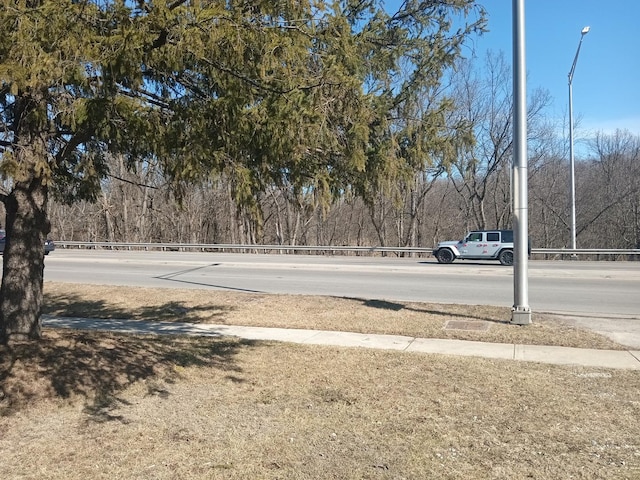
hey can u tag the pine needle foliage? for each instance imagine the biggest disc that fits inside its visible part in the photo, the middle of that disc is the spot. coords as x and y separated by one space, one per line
323 97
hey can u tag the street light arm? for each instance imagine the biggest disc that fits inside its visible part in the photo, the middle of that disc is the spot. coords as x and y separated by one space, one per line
585 30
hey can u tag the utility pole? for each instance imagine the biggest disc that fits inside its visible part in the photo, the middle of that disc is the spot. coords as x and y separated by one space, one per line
572 163
520 313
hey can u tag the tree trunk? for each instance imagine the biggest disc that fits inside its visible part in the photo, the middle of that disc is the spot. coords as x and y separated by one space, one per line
21 293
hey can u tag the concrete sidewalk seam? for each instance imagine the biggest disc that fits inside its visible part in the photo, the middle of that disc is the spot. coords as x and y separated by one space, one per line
409 345
518 352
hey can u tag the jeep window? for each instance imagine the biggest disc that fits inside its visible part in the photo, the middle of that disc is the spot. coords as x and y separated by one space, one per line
493 237
507 236
474 237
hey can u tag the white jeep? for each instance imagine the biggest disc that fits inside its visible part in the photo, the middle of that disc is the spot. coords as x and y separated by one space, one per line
478 245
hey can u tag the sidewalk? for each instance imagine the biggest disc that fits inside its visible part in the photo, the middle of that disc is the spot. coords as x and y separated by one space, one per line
528 353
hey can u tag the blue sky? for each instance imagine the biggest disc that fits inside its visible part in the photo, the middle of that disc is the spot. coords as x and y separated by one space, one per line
606 82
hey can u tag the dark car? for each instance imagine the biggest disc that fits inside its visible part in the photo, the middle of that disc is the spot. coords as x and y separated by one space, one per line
49 246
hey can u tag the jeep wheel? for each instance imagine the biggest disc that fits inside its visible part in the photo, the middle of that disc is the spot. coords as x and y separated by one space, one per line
506 257
445 255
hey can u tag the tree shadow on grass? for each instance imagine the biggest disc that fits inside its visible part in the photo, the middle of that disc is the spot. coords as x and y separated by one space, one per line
97 366
466 312
71 305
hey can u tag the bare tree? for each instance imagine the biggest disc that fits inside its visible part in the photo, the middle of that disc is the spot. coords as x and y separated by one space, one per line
481 174
610 192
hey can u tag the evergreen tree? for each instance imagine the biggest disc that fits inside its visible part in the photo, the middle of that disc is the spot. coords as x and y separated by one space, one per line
267 92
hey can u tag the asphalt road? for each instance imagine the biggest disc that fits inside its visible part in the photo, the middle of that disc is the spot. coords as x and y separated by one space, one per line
604 296
570 286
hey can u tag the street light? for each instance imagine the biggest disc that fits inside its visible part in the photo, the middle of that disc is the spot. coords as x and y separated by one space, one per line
584 31
521 312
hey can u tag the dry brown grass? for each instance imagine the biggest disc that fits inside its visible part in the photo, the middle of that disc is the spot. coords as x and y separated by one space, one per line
97 405
310 312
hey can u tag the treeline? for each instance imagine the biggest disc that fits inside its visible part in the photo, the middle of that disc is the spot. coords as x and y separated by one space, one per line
465 188
139 207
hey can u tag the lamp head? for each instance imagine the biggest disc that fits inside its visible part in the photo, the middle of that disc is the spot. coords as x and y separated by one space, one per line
585 30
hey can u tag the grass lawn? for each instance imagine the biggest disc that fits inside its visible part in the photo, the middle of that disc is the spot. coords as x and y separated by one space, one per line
83 405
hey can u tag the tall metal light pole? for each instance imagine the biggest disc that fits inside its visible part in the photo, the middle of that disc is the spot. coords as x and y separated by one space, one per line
585 30
521 313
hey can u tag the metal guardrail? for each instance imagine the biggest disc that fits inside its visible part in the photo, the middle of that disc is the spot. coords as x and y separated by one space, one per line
308 248
586 251
235 247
